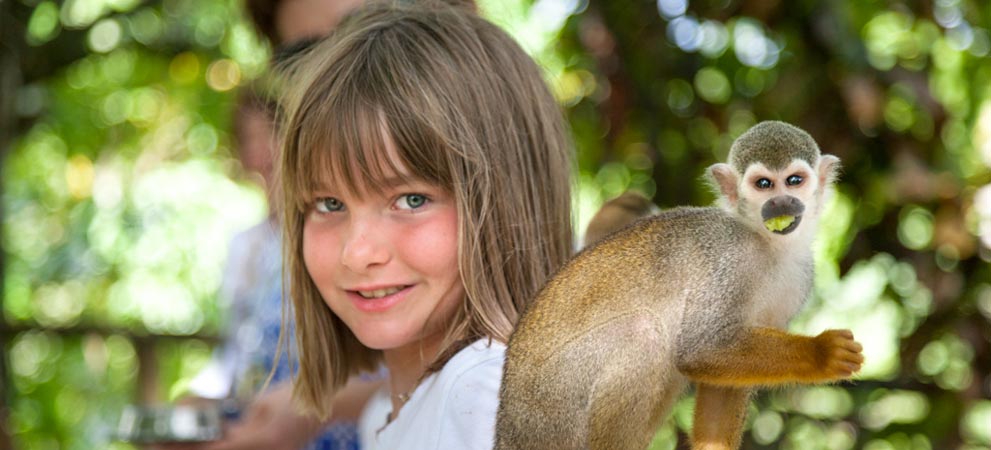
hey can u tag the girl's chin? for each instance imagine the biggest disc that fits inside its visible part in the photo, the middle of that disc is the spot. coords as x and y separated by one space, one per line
392 338
377 340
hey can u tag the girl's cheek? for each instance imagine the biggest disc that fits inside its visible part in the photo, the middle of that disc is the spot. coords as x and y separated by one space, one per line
317 247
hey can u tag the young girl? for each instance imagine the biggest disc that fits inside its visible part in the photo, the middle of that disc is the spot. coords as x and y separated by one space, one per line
425 174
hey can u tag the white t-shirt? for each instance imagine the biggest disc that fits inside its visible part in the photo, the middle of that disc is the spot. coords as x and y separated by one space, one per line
451 409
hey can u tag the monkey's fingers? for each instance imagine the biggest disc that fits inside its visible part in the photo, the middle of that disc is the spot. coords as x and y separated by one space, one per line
839 354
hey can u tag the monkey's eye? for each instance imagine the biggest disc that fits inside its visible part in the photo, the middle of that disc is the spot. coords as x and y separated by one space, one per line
794 180
764 183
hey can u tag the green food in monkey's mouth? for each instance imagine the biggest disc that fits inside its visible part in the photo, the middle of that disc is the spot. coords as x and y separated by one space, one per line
779 224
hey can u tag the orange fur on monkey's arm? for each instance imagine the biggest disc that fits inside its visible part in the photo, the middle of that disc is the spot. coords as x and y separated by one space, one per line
768 356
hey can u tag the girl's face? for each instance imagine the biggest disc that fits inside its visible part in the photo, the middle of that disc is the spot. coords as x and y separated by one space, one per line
386 263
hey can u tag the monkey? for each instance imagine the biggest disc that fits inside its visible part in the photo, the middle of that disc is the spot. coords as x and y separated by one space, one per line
697 295
616 214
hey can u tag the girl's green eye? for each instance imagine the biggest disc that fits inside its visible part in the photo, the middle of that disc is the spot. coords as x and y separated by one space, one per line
411 201
328 204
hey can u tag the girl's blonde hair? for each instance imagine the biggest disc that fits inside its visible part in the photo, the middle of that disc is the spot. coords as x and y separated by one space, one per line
467 110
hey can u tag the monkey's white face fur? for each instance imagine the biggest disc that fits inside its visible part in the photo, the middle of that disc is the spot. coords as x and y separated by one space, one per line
783 204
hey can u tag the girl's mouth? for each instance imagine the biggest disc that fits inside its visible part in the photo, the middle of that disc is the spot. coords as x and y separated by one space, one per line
379 299
379 293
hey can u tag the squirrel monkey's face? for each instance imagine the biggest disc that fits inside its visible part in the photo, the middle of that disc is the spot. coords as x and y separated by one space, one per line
776 200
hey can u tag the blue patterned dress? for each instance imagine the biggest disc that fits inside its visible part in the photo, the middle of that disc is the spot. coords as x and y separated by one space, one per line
252 286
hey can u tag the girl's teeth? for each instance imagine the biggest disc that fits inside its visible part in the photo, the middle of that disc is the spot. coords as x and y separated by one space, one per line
379 293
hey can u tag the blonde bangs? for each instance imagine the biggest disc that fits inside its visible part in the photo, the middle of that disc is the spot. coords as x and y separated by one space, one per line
343 137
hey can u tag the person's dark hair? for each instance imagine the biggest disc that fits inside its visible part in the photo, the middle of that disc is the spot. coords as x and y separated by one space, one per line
263 13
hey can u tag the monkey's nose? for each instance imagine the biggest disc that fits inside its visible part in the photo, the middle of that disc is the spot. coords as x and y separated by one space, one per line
782 205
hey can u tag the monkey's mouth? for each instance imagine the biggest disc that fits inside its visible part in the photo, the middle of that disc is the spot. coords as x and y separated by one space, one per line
782 224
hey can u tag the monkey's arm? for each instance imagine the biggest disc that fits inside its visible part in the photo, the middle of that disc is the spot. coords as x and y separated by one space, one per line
768 356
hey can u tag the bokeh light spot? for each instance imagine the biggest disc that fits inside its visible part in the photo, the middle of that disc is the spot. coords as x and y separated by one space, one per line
120 352
981 134
714 38
915 227
59 304
223 75
209 30
116 107
26 415
202 139
898 114
108 189
146 105
933 358
841 436
976 424
984 301
823 402
28 352
712 85
670 9
81 13
752 46
185 67
960 37
146 26
614 178
767 427
680 95
43 25
684 32
105 36
895 407
79 176
70 407
118 66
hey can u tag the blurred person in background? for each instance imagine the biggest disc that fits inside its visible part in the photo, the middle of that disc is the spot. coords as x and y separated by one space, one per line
252 290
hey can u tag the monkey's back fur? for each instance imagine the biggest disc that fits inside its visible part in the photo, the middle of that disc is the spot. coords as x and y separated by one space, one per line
594 361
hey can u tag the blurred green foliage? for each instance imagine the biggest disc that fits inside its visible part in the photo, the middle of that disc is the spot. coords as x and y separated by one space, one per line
118 197
118 202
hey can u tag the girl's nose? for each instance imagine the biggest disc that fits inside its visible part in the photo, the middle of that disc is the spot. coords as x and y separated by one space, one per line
364 248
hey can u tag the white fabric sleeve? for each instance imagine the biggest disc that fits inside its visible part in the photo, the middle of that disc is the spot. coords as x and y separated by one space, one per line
468 418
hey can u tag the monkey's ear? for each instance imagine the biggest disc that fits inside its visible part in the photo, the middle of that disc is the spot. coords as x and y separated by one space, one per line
829 169
724 180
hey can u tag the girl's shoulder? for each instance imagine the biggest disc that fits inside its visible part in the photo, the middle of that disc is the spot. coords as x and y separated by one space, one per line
452 408
468 396
469 382
474 360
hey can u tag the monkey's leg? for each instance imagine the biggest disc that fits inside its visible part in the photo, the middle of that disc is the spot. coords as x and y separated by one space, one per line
768 356
718 418
636 386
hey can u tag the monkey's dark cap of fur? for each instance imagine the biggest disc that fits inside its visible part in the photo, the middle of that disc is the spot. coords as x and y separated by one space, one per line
775 144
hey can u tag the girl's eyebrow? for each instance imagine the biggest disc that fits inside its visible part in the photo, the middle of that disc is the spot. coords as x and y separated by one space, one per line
396 181
391 182
403 179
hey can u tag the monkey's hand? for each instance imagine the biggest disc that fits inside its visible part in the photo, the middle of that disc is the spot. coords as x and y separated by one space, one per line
838 356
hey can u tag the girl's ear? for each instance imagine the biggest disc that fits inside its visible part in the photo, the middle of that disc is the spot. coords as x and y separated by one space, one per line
724 181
